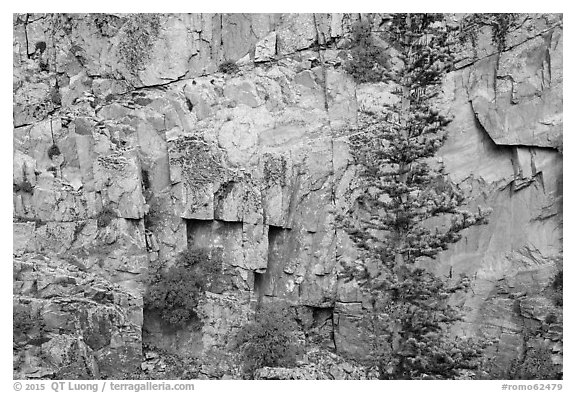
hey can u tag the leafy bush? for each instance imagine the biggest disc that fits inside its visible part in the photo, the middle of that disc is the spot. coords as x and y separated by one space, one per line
152 218
175 293
228 67
53 151
44 66
40 46
270 340
551 318
24 186
369 61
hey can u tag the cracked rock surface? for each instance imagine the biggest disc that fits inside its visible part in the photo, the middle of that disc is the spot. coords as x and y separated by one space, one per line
254 161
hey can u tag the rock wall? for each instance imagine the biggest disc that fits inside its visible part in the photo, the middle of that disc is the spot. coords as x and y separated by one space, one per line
503 149
71 324
229 131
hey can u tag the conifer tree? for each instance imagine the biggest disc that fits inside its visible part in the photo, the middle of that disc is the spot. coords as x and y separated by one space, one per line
403 193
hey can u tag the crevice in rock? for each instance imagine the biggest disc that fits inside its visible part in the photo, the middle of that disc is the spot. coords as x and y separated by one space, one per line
221 30
326 106
548 38
276 261
495 77
521 145
26 35
275 50
161 85
334 341
25 125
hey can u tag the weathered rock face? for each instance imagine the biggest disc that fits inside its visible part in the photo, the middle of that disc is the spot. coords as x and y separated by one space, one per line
72 324
158 151
507 112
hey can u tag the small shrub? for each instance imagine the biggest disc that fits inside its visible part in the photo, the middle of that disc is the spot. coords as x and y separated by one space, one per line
558 299
41 46
140 33
152 218
110 97
551 318
175 293
369 61
44 66
53 151
275 170
24 186
502 24
228 67
558 281
557 286
270 340
105 217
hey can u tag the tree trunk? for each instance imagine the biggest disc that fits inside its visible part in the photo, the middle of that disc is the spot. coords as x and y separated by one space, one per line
404 113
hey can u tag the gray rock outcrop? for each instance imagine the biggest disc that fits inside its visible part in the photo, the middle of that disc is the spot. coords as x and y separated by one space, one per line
159 150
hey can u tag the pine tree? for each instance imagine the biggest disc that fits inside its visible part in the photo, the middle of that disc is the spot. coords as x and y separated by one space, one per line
403 192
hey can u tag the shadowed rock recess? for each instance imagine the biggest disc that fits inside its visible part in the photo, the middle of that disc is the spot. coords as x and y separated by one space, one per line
137 137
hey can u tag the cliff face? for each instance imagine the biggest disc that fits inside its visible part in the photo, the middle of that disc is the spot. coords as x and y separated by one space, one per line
230 132
72 324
